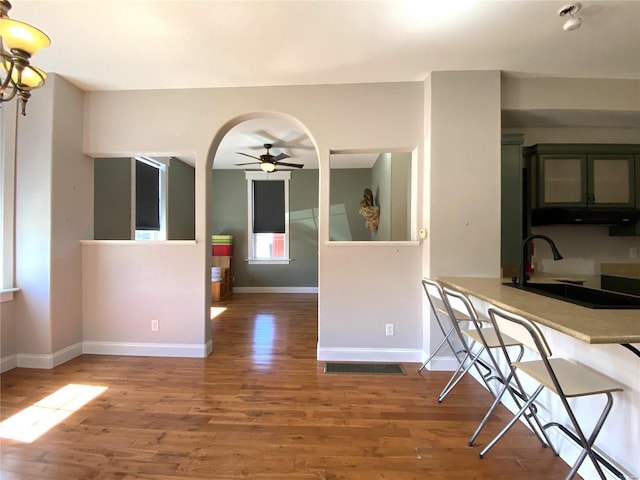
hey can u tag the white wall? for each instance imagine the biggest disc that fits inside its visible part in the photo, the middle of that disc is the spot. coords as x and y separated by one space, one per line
128 284
379 117
33 228
463 154
54 184
71 214
465 174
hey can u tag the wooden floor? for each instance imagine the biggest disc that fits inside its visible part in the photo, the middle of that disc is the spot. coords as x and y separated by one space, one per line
260 407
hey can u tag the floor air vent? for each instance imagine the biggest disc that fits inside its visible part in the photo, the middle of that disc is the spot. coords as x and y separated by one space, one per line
364 368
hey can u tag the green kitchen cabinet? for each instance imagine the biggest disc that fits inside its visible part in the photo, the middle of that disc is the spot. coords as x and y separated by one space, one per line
583 175
512 202
630 230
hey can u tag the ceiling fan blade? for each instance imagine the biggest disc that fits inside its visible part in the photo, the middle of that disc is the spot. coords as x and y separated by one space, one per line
247 155
294 165
281 156
250 163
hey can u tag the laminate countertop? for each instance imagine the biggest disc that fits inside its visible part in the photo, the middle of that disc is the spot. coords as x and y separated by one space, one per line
586 324
624 270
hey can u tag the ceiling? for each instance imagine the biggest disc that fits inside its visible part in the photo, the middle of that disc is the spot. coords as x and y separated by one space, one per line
158 44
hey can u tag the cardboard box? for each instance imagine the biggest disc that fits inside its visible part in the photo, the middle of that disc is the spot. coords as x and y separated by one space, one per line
215 291
221 261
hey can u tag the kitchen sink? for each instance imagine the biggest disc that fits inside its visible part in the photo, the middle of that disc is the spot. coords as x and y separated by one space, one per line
584 296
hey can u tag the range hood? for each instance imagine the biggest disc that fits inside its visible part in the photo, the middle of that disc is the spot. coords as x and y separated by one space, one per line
584 216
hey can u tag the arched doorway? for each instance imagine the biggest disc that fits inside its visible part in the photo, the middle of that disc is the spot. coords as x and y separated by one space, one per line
234 163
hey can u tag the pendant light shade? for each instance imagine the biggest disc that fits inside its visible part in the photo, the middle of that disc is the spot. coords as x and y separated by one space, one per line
18 35
19 41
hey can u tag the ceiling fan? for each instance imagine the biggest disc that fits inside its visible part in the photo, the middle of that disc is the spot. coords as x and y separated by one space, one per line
269 162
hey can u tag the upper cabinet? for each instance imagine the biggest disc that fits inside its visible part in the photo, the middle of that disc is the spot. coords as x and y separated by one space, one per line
583 175
583 184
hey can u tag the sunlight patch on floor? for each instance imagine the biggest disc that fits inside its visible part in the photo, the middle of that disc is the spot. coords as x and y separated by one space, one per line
215 311
32 422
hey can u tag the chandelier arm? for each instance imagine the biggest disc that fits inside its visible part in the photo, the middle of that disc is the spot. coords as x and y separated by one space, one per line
8 85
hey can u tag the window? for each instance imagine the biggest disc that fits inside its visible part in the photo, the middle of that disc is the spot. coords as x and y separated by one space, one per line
8 127
268 217
149 198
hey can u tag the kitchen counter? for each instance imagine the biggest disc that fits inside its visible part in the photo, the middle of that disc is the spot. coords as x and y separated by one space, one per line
623 270
588 325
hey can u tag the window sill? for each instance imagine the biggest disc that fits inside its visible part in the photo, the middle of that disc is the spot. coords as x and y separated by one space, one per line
255 261
6 294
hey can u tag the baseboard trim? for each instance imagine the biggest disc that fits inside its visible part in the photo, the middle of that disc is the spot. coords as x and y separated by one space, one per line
275 289
48 361
148 349
407 355
441 364
7 363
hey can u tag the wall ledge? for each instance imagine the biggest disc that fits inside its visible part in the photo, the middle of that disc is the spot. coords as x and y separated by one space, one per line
372 243
139 242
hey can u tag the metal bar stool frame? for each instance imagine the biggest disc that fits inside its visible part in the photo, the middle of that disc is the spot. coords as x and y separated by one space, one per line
438 314
488 338
546 371
466 357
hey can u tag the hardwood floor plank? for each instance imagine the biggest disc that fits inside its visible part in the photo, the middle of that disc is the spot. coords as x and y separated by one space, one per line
260 407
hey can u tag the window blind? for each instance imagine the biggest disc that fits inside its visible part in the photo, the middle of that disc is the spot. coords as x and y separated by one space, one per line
268 206
147 197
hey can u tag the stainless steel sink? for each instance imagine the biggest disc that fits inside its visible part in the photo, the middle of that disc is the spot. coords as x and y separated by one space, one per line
579 295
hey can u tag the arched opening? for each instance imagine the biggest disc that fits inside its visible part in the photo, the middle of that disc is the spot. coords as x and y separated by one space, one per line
234 171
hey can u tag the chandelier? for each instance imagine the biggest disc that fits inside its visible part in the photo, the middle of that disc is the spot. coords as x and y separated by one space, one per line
19 41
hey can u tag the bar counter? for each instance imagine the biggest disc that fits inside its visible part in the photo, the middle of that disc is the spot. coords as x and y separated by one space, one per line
596 326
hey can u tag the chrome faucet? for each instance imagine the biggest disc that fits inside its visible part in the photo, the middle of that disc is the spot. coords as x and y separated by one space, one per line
556 255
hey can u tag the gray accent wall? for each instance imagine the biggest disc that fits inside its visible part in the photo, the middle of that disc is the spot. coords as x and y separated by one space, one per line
182 201
229 217
391 184
346 192
112 199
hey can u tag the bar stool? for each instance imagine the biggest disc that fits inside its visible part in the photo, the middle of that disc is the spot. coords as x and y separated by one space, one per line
491 342
450 321
562 377
440 311
487 340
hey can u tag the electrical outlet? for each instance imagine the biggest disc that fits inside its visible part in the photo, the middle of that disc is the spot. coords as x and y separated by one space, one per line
633 252
389 330
155 325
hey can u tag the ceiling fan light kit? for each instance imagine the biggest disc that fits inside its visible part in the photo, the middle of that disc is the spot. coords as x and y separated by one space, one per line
268 162
268 166
572 23
19 41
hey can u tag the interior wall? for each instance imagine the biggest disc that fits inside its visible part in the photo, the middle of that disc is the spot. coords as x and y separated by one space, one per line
465 174
381 186
33 221
401 196
347 189
181 201
112 199
229 217
383 117
71 216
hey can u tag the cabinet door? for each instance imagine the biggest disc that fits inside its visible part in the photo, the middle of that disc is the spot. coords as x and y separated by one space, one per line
563 180
612 180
